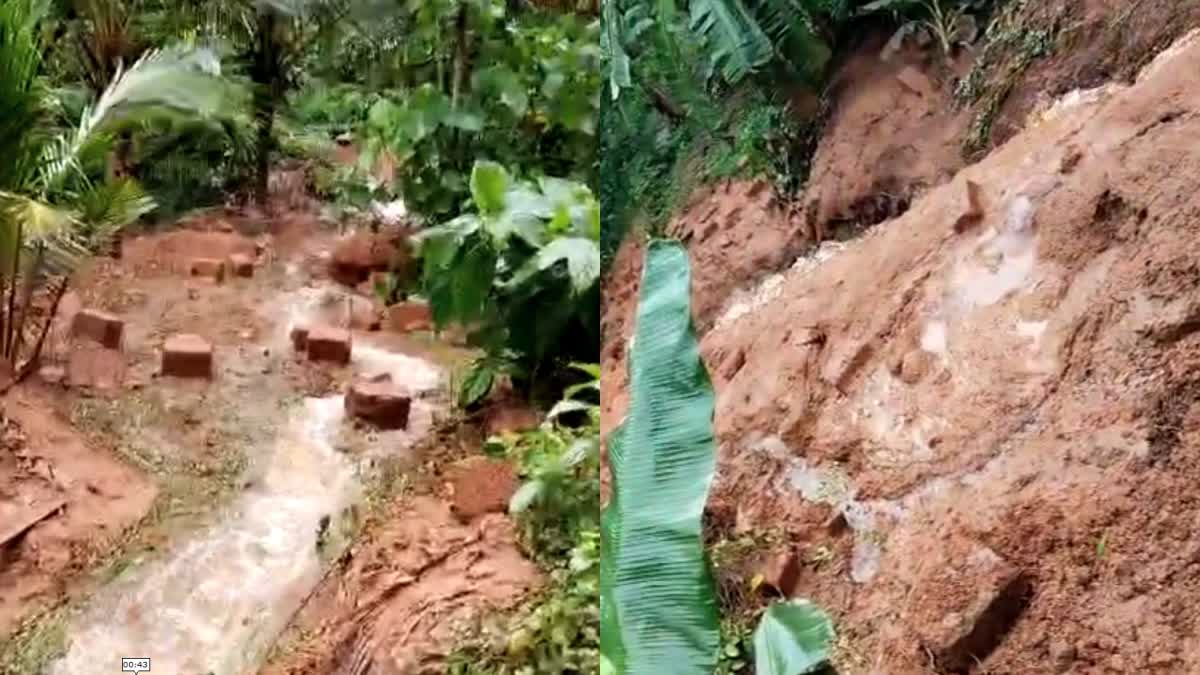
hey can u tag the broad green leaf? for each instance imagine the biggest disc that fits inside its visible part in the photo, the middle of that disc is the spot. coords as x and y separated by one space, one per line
736 43
793 638
576 389
476 385
465 120
582 257
658 611
438 245
617 59
472 277
489 183
525 212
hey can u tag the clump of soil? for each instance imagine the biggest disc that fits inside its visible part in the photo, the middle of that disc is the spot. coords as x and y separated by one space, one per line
44 462
404 592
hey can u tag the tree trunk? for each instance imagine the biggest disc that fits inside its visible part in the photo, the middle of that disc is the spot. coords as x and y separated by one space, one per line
266 78
462 57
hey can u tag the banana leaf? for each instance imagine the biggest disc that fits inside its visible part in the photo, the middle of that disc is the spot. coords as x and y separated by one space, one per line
793 638
658 612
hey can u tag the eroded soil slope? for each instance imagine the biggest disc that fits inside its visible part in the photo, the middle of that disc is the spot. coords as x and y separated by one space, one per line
980 427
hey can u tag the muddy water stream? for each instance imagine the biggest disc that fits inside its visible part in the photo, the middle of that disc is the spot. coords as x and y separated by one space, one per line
216 603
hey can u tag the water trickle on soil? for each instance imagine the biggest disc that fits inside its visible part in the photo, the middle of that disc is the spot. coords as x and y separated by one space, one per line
217 601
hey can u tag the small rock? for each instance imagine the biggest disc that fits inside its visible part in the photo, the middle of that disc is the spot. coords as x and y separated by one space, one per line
508 417
966 205
193 293
409 316
480 485
187 356
299 337
327 343
782 571
209 268
225 226
969 600
380 402
241 265
356 256
1062 655
102 327
364 315
914 366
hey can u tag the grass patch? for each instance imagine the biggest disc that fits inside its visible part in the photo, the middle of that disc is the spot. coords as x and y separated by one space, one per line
38 641
191 489
1016 37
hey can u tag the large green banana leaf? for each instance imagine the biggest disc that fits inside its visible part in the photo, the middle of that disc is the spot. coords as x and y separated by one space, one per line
793 638
658 612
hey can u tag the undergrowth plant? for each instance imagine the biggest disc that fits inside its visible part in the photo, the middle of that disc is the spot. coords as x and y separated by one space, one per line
519 87
557 511
523 270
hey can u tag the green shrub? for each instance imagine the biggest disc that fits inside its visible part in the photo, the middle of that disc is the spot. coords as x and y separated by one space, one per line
524 270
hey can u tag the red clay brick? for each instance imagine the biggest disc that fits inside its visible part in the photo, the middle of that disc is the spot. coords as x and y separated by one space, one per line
209 268
241 265
327 343
187 356
102 327
409 316
380 402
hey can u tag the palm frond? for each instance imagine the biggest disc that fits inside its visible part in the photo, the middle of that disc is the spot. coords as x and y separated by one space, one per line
173 79
20 93
106 208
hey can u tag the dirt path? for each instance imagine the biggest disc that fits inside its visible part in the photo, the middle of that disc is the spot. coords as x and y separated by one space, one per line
216 594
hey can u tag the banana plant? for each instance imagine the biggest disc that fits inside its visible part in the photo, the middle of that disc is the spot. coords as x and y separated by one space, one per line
658 607
53 211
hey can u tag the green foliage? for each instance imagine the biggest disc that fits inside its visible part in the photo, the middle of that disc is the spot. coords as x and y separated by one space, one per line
658 609
948 22
793 638
57 203
744 36
524 269
526 96
557 510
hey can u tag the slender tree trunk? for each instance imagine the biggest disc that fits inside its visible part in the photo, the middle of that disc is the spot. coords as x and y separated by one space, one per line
462 57
12 299
266 80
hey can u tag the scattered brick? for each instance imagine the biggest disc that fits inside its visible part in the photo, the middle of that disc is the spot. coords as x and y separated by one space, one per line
104 328
328 343
187 356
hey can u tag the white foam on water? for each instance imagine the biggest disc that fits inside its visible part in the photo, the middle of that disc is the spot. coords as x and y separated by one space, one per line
413 373
216 604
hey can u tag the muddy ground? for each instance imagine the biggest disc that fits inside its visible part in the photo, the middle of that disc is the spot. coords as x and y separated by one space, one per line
975 424
210 515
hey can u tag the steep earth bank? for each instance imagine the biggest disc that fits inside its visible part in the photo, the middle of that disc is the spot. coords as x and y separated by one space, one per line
978 425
